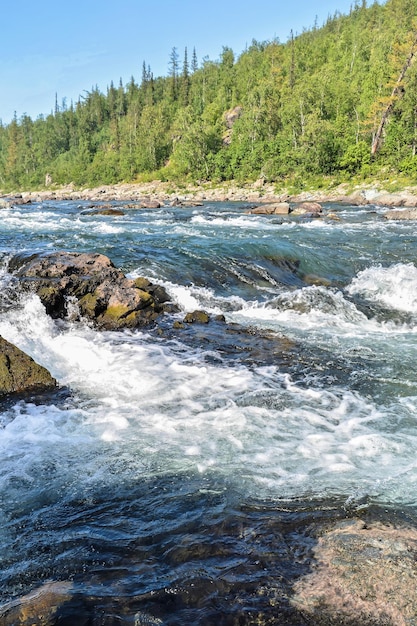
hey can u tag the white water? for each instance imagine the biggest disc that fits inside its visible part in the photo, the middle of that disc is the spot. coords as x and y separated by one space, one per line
164 408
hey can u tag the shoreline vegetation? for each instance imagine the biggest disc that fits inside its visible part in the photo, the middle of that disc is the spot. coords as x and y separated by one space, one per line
259 192
333 106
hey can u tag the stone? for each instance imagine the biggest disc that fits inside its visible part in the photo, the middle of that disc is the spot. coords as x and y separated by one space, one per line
101 291
275 208
197 317
104 211
39 607
148 203
19 373
362 574
403 214
307 207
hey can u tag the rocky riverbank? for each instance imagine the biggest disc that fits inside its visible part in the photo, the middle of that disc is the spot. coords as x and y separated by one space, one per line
155 193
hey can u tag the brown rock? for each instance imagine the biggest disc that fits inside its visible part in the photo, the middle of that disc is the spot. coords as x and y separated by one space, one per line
197 317
363 574
388 199
404 214
307 207
103 292
19 373
275 208
38 608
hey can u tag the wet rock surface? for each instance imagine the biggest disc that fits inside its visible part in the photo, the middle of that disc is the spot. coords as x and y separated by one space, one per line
294 564
19 373
362 573
89 285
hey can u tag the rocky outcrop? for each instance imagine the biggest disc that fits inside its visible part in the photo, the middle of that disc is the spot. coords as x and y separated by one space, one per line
363 574
272 208
403 214
90 285
307 208
19 373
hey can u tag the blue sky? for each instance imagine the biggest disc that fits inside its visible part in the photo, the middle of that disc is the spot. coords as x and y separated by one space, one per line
65 48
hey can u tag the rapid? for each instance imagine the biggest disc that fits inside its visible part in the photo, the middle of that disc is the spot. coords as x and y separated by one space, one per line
157 478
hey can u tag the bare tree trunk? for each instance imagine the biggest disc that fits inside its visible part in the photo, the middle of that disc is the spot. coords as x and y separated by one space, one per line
395 94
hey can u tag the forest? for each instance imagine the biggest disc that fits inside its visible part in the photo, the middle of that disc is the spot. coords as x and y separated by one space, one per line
334 102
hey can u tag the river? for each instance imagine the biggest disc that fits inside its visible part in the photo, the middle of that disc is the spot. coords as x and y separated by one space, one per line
175 475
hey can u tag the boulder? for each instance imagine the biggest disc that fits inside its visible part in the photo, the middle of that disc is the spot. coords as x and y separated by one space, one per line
149 203
274 208
388 199
197 317
364 573
103 210
101 292
313 208
19 373
403 214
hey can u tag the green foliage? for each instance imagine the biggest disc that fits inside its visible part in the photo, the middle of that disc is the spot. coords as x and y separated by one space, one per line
298 112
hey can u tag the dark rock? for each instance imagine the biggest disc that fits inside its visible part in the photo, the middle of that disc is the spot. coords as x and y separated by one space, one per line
104 210
102 292
197 317
19 373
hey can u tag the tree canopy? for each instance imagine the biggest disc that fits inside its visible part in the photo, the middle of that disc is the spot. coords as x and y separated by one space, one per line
339 100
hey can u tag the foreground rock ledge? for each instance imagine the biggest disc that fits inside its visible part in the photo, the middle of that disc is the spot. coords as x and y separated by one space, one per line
363 574
89 285
19 373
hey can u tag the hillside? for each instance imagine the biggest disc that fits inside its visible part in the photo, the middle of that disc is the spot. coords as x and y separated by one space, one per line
333 102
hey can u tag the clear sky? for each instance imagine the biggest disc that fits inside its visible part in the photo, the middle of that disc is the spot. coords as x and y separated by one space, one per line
51 47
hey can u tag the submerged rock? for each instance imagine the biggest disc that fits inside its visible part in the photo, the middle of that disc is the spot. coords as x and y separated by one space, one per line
38 608
19 373
91 282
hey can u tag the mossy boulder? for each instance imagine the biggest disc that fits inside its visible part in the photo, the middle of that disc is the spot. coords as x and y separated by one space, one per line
19 373
197 317
90 280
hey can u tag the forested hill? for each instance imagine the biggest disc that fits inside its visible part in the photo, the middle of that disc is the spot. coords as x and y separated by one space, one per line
333 101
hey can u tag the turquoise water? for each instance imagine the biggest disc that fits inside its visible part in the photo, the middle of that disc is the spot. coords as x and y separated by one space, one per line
159 478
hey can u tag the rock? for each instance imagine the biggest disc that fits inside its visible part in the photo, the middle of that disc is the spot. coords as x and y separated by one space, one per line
275 208
363 574
148 203
38 608
197 317
231 116
307 207
103 211
19 373
404 214
388 199
102 293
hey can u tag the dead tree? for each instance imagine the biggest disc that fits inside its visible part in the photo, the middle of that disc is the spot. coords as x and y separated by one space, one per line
396 94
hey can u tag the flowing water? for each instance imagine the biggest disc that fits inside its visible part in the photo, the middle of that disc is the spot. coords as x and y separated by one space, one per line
174 476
